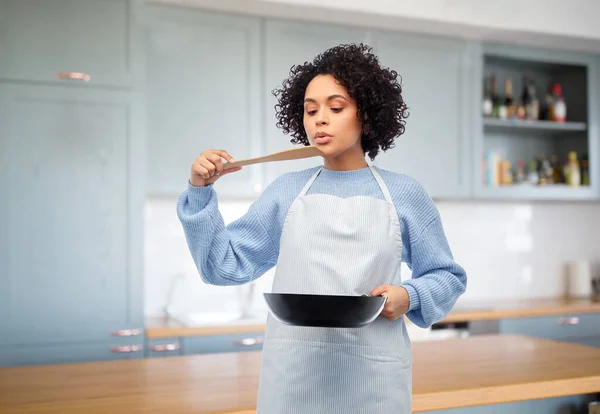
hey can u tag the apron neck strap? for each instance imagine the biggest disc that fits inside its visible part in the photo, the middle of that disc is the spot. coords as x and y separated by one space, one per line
380 182
309 183
382 186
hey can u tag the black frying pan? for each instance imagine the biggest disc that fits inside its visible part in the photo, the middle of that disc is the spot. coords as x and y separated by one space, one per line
325 311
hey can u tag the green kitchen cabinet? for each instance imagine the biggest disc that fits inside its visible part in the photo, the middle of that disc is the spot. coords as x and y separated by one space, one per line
52 41
437 79
242 342
576 328
573 404
71 245
204 91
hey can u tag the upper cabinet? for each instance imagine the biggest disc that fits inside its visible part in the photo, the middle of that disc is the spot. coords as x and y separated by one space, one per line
286 44
210 77
536 134
435 75
70 41
204 91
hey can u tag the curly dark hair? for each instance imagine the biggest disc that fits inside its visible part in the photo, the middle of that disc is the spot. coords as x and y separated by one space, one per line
378 95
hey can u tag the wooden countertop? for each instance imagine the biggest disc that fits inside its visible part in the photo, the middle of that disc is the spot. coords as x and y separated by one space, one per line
471 311
446 374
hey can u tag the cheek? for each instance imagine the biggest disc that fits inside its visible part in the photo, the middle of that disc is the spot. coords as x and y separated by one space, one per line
353 124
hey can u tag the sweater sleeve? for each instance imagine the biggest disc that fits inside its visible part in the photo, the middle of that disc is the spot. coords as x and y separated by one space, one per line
437 280
228 255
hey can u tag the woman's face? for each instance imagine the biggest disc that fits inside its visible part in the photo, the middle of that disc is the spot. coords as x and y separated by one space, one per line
331 122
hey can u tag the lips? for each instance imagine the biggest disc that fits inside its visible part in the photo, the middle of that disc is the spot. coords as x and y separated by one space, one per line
322 138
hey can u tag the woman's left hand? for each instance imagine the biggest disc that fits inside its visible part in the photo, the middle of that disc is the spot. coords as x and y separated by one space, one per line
397 303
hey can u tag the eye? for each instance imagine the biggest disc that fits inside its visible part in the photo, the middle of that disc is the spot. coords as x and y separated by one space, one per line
336 110
311 112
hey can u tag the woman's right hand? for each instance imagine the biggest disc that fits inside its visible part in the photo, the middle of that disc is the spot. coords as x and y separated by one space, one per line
208 167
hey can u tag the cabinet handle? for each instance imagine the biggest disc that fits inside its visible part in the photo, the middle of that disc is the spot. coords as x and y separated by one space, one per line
568 321
163 348
126 332
248 341
74 76
126 348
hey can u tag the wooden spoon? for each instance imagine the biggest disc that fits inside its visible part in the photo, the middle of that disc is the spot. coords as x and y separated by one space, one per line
291 154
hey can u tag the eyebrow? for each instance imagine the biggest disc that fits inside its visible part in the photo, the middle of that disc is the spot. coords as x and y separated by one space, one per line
329 98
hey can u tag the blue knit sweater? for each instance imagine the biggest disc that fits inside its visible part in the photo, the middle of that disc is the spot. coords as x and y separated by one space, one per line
248 247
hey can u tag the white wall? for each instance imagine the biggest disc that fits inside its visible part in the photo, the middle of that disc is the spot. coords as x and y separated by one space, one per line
510 250
577 18
548 23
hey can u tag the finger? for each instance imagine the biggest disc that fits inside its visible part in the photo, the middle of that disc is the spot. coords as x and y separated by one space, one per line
379 291
217 160
201 171
225 155
230 170
208 165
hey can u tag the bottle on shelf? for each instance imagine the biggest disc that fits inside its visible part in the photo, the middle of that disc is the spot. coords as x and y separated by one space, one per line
533 177
557 108
520 172
509 110
496 102
506 176
585 171
488 105
544 171
557 172
572 170
530 100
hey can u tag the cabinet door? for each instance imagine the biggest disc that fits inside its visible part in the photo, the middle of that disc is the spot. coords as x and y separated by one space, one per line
40 39
435 86
71 220
203 73
288 44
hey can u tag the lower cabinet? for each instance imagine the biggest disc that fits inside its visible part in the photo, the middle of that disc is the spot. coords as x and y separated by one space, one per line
222 343
581 329
572 404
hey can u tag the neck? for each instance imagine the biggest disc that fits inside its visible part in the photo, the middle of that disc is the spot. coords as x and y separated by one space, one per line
350 160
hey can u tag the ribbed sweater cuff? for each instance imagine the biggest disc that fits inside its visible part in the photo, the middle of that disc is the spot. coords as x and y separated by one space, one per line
198 197
415 302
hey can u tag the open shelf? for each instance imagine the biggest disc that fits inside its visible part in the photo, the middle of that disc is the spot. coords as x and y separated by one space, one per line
530 138
543 125
533 193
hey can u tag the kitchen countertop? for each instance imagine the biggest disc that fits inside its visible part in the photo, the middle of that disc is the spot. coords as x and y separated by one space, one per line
446 374
468 311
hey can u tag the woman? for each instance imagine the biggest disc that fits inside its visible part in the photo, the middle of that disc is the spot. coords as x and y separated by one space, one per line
342 228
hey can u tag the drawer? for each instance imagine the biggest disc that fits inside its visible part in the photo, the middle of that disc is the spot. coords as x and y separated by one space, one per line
222 343
163 347
554 327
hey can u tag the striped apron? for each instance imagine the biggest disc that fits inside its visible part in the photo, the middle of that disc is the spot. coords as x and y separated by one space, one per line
337 246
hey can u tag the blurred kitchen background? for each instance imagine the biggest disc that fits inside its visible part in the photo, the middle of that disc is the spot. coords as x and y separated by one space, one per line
104 105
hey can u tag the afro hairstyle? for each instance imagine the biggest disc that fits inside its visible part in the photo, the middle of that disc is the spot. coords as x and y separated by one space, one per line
375 89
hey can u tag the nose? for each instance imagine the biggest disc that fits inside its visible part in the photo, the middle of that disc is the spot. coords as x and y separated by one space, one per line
322 118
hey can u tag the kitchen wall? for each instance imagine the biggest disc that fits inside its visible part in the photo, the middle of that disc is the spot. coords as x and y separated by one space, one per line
553 24
510 250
